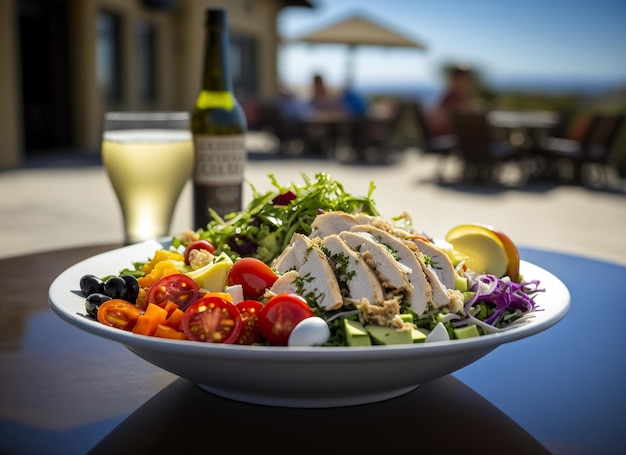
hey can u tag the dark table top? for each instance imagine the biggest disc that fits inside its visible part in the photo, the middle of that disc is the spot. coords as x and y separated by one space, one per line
66 391
523 119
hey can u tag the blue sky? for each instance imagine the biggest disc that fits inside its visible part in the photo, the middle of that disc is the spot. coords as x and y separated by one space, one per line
536 39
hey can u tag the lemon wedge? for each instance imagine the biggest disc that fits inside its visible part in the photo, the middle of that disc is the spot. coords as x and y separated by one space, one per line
213 277
482 248
512 253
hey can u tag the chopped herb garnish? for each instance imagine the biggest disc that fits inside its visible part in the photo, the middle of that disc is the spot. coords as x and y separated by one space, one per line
264 228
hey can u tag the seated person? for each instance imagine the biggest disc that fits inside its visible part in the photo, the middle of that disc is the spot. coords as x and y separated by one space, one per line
290 106
321 99
353 103
459 96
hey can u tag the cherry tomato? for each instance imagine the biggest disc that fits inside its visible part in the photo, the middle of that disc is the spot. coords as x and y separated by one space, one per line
118 313
280 315
212 319
198 245
253 275
249 310
177 288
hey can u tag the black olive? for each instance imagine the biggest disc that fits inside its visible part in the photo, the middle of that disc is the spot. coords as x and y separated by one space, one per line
132 288
90 284
93 302
115 287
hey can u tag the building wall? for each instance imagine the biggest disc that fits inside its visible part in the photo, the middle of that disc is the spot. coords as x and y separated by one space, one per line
179 49
86 100
10 112
247 17
89 101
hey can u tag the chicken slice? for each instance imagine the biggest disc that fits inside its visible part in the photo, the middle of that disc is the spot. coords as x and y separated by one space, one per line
351 269
286 283
441 295
318 281
422 292
391 273
292 257
329 223
441 263
364 218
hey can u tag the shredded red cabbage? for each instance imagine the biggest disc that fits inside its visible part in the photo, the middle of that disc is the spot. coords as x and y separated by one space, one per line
504 294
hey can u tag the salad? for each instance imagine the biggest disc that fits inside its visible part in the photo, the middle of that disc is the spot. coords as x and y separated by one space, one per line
312 265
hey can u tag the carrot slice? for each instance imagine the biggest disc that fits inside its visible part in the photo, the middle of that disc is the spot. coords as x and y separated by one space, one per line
163 331
148 322
174 319
170 307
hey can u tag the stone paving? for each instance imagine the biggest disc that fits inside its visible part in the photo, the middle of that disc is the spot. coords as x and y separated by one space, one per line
44 206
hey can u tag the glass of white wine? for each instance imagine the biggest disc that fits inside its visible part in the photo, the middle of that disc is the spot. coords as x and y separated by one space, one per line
149 157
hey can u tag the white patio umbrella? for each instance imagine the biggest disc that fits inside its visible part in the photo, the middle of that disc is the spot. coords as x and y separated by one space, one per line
357 31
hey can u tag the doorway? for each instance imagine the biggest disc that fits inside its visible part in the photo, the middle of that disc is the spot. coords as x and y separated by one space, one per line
45 75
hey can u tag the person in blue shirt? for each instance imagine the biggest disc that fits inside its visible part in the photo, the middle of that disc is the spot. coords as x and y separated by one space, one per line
290 106
353 102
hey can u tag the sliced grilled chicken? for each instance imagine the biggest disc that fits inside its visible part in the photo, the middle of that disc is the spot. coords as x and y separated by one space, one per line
391 273
440 262
441 296
350 268
293 256
422 292
329 223
363 218
285 283
318 280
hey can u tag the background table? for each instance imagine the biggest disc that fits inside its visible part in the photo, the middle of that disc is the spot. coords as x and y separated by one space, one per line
524 128
66 391
523 119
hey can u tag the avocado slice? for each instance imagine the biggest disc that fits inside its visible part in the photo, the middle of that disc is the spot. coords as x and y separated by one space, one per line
460 283
356 335
419 335
466 332
388 335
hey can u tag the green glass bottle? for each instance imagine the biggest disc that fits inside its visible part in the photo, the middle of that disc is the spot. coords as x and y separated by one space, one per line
218 125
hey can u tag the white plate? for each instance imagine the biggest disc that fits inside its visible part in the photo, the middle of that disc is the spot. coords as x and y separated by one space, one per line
299 376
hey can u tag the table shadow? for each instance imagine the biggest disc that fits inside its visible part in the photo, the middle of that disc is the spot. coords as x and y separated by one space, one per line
442 416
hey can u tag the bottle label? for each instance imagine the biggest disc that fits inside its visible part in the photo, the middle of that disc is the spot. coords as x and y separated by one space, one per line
220 160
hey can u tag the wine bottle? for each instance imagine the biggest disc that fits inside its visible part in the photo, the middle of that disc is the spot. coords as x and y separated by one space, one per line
218 125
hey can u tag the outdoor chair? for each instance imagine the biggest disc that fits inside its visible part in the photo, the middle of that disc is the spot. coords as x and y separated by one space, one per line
291 133
373 138
592 149
567 120
482 156
439 145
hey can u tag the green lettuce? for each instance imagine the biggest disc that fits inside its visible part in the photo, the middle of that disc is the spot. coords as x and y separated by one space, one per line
265 227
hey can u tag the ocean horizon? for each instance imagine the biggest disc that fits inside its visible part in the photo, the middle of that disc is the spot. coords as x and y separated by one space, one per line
429 93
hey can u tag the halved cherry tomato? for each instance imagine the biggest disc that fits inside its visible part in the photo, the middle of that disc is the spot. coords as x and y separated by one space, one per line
280 315
198 245
177 288
118 313
253 275
212 319
249 310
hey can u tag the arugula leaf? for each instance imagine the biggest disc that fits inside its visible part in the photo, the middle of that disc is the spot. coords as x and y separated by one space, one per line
264 228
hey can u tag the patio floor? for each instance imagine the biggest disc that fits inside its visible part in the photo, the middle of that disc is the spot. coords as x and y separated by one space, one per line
63 201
